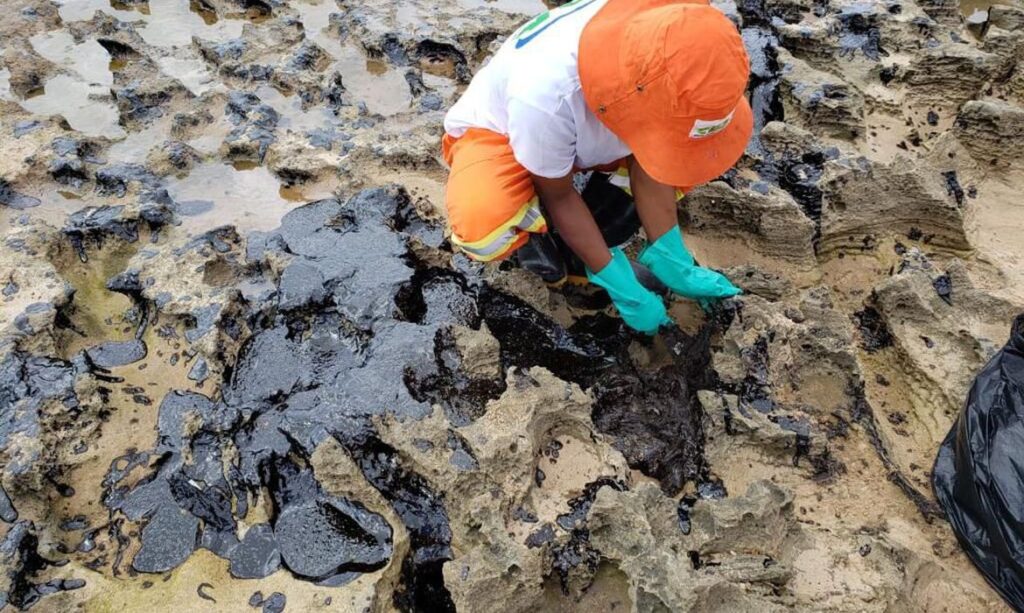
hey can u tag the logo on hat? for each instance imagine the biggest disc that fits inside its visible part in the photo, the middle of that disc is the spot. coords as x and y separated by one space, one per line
702 128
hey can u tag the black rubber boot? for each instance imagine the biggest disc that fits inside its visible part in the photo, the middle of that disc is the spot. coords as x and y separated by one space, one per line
542 256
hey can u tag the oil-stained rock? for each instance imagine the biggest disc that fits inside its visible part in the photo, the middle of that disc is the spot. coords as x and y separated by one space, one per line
530 338
407 430
19 562
39 393
167 539
116 353
97 223
194 283
117 179
769 358
424 28
320 536
8 514
16 200
173 156
319 375
505 442
654 419
331 239
255 123
34 291
791 439
819 101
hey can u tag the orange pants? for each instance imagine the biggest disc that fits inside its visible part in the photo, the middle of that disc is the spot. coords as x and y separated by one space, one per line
492 206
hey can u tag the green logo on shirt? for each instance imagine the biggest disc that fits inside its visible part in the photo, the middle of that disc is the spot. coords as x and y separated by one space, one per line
545 20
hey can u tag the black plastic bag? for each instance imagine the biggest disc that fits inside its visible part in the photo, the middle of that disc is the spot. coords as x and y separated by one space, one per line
979 473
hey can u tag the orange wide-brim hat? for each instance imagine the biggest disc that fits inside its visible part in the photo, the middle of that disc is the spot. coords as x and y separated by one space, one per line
668 78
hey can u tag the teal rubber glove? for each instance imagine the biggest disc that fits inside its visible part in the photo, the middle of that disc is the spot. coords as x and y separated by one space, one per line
639 307
672 263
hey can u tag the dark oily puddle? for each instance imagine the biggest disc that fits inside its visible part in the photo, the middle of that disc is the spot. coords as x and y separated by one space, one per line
355 327
327 352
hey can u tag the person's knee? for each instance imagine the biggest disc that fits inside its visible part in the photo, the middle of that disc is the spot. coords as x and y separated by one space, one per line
490 198
488 233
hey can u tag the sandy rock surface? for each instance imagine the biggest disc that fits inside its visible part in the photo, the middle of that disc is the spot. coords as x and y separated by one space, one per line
241 367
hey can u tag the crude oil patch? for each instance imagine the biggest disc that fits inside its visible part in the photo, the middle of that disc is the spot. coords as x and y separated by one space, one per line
184 468
654 417
94 401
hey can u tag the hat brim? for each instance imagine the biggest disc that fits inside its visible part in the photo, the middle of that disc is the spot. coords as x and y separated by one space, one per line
670 156
660 142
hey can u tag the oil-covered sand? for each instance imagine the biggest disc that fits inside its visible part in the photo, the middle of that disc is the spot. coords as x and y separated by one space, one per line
241 367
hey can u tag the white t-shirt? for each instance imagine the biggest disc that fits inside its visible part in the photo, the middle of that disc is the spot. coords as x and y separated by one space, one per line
530 91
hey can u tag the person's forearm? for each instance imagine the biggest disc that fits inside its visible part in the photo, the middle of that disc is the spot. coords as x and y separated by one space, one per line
571 217
655 202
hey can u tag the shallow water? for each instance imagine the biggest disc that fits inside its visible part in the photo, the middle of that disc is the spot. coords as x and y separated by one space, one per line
83 10
167 23
293 116
192 72
372 81
135 146
88 59
315 15
968 7
82 95
250 198
5 85
87 108
383 89
172 23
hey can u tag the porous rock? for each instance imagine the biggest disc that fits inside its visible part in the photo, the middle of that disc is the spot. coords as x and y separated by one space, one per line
939 342
772 224
505 442
823 103
950 74
992 131
864 198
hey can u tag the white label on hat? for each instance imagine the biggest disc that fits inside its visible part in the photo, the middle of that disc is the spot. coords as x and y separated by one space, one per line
703 128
